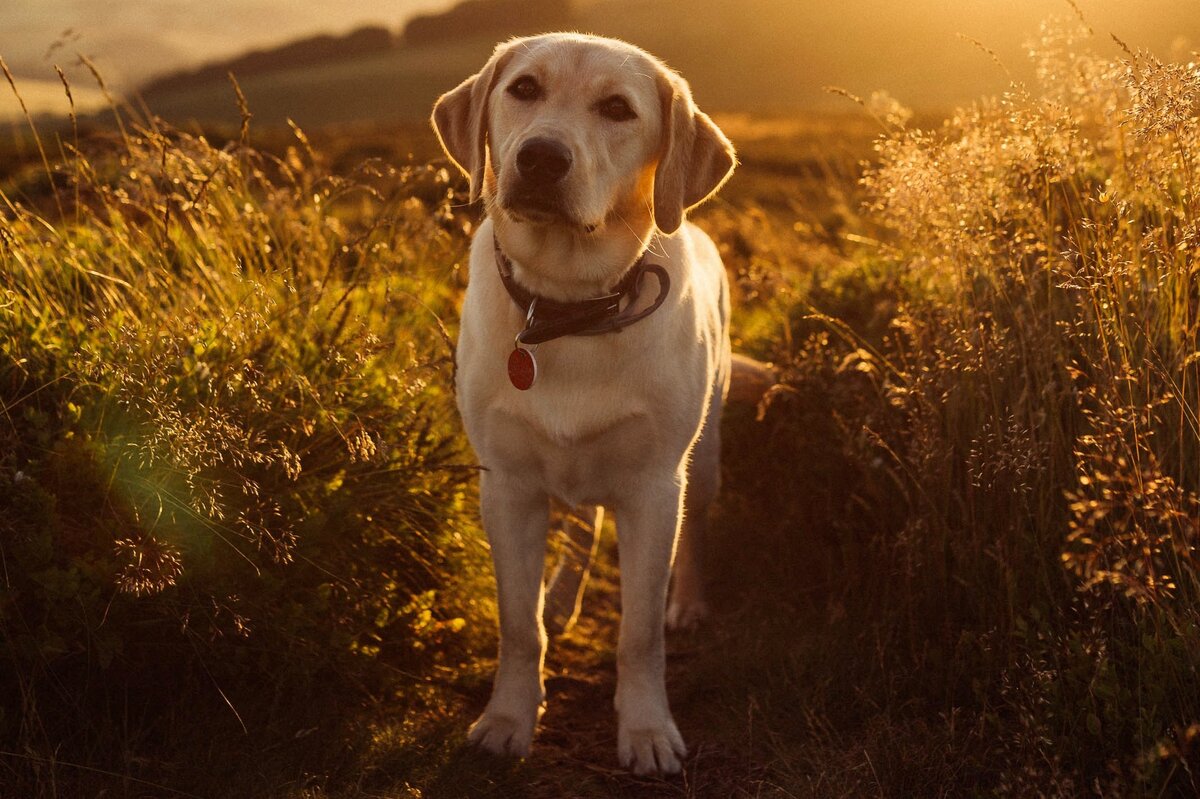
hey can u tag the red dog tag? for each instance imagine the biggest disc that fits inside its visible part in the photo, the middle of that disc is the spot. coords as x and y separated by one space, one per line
522 368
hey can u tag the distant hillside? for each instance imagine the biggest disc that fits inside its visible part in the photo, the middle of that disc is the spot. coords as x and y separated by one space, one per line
755 56
499 19
495 19
306 52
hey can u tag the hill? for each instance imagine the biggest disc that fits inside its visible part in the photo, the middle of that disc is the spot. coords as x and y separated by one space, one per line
760 56
301 53
367 75
496 18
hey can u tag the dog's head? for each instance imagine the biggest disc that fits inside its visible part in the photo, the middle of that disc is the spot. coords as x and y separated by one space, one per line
582 132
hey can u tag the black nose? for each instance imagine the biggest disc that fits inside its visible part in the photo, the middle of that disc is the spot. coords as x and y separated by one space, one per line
543 161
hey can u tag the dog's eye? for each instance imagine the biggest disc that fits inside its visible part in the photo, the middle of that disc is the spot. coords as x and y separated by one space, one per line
616 108
525 88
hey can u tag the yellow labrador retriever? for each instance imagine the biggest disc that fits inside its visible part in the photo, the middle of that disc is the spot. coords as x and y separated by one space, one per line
594 355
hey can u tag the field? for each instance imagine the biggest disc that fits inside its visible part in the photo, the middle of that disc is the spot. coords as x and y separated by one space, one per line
955 552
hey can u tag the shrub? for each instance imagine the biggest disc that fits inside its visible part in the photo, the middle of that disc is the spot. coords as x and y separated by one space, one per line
1013 507
229 469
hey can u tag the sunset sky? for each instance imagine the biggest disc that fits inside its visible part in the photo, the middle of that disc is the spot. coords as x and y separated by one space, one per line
909 47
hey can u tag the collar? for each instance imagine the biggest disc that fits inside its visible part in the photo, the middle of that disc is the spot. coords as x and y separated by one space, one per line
547 319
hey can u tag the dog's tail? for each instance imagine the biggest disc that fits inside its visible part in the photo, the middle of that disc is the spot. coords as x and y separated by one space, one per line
749 380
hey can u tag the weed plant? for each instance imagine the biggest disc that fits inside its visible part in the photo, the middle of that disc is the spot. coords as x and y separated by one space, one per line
987 448
232 491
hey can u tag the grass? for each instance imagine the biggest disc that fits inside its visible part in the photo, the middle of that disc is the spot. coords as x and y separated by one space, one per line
230 467
955 551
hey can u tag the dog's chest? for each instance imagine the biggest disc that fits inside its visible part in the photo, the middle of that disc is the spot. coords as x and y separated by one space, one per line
589 468
595 391
599 412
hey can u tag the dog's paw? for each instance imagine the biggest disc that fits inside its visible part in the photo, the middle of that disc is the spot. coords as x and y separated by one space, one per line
686 614
651 751
502 735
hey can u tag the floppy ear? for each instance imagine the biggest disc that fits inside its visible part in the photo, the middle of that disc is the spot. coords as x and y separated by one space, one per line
696 157
460 119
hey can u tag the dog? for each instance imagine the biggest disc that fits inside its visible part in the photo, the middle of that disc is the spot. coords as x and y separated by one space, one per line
593 355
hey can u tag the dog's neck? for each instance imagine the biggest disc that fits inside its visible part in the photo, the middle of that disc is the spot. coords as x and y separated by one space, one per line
565 264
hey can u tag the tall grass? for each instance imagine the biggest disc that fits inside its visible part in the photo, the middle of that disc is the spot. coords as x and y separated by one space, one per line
231 488
990 408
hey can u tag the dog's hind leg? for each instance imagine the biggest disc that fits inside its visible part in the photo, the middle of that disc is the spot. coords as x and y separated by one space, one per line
687 606
578 531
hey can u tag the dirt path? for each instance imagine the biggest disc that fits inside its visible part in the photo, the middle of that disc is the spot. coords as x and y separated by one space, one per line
575 749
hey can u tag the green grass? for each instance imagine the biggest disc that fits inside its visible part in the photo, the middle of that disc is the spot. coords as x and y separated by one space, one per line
954 553
231 470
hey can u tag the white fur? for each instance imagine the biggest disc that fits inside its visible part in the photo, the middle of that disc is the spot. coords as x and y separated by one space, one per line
627 420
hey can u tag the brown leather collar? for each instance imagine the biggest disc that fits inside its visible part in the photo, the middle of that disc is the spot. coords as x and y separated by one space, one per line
548 319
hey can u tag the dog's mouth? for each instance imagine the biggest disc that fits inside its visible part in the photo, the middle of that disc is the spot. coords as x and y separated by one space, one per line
542 207
537 206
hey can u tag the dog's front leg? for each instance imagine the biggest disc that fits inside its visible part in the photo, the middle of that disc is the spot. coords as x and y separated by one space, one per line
647 525
515 517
